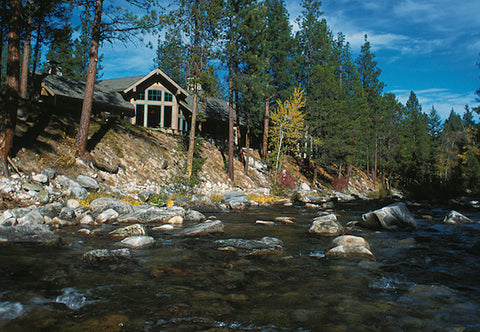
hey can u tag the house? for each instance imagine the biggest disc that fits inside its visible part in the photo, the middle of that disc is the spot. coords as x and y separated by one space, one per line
67 94
157 100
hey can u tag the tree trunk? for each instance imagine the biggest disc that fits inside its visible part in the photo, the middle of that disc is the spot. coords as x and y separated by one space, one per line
26 58
231 173
376 160
266 123
82 136
193 124
9 117
247 149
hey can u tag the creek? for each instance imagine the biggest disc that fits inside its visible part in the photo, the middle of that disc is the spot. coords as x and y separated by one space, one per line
427 279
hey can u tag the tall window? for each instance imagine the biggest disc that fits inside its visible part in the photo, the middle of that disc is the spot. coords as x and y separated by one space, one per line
167 116
155 95
140 115
168 96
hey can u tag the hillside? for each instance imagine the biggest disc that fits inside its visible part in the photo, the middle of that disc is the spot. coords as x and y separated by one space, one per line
148 159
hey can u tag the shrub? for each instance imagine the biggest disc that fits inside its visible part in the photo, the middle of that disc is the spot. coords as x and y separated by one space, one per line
282 183
339 183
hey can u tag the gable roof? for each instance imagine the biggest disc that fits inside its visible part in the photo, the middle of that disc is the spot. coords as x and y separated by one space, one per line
168 82
57 85
119 84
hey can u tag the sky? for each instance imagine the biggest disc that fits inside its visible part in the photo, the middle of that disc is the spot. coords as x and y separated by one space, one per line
430 47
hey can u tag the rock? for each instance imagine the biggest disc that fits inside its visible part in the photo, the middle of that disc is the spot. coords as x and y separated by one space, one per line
285 220
344 197
349 240
43 196
177 220
85 231
40 178
166 227
101 204
67 213
131 230
349 246
264 222
194 216
236 200
66 182
32 186
138 241
391 217
87 220
79 192
455 218
97 257
27 233
87 182
314 199
265 246
34 217
72 204
51 210
106 216
49 173
304 187
203 206
326 226
205 228
152 214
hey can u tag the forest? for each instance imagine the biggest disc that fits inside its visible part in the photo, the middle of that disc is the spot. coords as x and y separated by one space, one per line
301 91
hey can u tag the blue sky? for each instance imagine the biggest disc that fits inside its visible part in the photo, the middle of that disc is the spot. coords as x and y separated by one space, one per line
430 47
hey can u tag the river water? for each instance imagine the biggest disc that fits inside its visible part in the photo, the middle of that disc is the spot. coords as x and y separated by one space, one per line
427 280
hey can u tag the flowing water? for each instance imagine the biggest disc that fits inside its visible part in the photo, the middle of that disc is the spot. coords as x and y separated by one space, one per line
427 280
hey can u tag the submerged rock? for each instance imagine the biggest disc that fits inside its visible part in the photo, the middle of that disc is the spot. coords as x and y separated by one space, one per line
28 233
455 218
349 246
326 226
98 257
265 246
206 228
391 217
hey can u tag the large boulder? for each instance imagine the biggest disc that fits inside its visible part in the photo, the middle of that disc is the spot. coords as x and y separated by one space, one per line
236 200
28 233
326 226
98 257
392 217
205 228
349 246
87 182
264 246
104 203
455 218
152 214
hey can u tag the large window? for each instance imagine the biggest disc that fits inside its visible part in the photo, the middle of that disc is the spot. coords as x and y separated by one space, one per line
140 115
167 116
155 95
168 96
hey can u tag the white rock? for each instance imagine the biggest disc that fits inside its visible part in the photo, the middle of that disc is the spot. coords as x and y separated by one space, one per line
177 220
73 204
138 241
87 220
41 178
107 215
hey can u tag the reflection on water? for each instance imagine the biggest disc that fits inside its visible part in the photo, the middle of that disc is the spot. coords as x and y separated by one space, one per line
422 280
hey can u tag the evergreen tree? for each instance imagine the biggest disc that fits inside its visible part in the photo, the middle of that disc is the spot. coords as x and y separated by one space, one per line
171 56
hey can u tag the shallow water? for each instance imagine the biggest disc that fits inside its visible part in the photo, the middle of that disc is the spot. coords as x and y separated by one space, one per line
427 279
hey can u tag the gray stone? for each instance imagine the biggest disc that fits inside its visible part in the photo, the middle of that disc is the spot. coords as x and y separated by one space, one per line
455 218
138 241
66 182
87 220
194 216
34 217
51 210
326 226
265 246
206 228
32 186
349 240
67 213
50 173
344 197
40 178
28 233
79 192
152 214
236 200
98 257
87 182
349 246
131 230
43 196
106 216
391 217
104 203
72 204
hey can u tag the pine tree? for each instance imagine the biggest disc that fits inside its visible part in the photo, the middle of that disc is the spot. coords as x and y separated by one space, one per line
171 56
